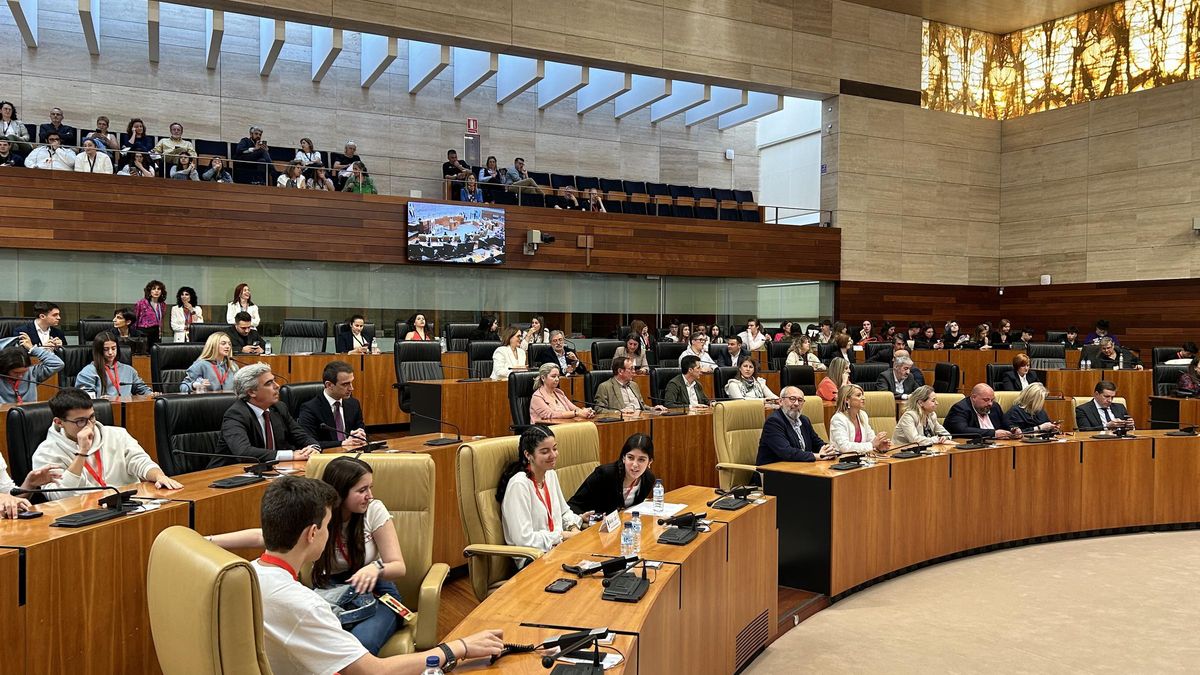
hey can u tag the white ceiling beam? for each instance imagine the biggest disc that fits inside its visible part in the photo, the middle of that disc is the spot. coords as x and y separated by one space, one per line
645 90
602 87
89 17
562 80
153 29
425 62
326 47
214 30
684 96
471 69
25 13
378 52
760 104
723 100
271 35
515 75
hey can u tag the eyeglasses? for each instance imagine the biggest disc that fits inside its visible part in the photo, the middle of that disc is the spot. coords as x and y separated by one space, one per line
82 422
793 399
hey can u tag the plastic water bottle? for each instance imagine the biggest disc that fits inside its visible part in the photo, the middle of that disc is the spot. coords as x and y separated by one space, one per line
267 348
637 534
431 666
659 491
1121 361
627 540
1085 365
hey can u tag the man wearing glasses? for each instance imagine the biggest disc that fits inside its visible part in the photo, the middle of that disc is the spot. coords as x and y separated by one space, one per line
789 436
89 453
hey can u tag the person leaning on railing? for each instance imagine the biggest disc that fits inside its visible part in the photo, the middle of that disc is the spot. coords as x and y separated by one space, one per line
359 181
217 173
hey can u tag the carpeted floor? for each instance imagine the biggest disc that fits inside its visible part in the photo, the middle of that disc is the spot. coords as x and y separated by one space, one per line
1128 604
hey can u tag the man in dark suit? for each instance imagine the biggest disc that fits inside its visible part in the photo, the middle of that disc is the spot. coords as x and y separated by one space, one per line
979 415
1112 356
68 135
1102 413
733 355
335 418
243 337
684 390
915 372
43 331
898 379
568 363
258 425
788 436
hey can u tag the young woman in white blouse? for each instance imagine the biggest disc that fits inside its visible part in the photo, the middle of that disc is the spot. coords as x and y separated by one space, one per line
537 333
532 507
186 311
242 302
748 384
509 356
801 354
753 337
919 423
849 429
307 155
92 160
292 177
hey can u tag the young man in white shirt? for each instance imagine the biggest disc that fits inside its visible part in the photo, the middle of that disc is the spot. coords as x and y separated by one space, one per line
302 634
697 349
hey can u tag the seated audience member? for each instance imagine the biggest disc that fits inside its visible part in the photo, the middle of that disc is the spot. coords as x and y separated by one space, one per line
837 377
1101 331
171 147
92 159
1020 376
567 199
702 330
684 390
697 351
342 161
898 379
245 339
850 428
914 332
1002 337
685 333
44 330
594 203
1189 381
915 372
19 378
489 173
136 139
242 302
353 340
733 354
926 339
187 310
886 355
184 167
89 453
213 370
566 360
748 384
1072 341
620 485
216 172
307 155
1113 356
981 339
292 177
978 415
549 402
788 436
919 423
455 170
486 330
9 156
137 164
672 332
1184 356
844 348
865 334
754 337
320 180
258 425
470 191
1028 412
300 631
888 332
635 352
509 356
123 325
151 311
825 334
359 181
68 134
953 338
533 511
106 376
105 140
641 331
420 329
620 393
335 418
1024 338
1102 413
11 505
517 178
252 158
12 128
51 156
714 333
801 354
784 334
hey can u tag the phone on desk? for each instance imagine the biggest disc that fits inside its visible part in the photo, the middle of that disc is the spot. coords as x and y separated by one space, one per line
561 585
29 515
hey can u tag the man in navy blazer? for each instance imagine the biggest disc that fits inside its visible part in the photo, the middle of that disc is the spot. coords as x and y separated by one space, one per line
320 410
43 331
973 415
788 436
1102 413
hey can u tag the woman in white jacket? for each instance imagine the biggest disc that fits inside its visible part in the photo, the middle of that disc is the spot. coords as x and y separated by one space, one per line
92 160
748 384
849 429
919 423
532 506
509 356
186 311
536 335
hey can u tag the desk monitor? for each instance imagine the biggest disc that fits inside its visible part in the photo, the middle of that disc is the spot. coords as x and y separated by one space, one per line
455 233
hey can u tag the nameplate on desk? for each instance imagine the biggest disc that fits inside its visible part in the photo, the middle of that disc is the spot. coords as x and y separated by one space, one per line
612 522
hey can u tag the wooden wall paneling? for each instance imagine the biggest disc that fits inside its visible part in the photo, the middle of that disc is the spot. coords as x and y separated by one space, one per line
1048 490
1176 475
860 510
1118 483
920 510
13 662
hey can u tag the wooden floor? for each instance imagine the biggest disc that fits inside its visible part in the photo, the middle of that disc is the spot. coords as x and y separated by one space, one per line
457 601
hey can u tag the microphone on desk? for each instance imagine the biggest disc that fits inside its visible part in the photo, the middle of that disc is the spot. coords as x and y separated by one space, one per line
440 441
469 378
113 505
589 638
368 447
671 411
257 467
278 376
686 519
1056 395
972 441
113 501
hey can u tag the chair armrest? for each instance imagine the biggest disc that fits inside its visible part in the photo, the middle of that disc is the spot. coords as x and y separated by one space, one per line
730 466
429 600
527 552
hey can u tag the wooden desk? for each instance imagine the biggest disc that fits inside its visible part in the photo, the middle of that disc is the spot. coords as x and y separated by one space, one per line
1135 386
614 434
476 408
685 451
531 663
13 612
136 414
1168 412
374 387
89 583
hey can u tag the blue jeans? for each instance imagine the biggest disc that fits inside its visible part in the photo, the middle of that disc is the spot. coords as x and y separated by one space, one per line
375 631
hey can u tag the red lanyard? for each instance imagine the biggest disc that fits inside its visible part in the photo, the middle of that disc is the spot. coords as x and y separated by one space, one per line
114 377
98 472
268 559
545 500
15 384
217 373
341 546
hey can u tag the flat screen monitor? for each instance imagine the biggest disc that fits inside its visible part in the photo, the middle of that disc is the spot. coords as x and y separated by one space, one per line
455 233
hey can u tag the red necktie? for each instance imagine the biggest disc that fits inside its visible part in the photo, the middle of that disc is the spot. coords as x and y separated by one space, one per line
270 434
338 422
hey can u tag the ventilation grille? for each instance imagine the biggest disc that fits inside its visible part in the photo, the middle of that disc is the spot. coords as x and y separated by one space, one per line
752 638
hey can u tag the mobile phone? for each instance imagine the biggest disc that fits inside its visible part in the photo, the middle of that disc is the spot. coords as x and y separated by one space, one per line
29 515
561 585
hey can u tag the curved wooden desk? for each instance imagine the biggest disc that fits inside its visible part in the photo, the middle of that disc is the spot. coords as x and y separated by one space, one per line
866 524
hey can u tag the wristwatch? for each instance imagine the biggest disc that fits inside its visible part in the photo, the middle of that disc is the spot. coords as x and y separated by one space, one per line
449 661
379 563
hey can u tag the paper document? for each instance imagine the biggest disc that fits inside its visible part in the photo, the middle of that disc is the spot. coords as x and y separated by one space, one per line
646 508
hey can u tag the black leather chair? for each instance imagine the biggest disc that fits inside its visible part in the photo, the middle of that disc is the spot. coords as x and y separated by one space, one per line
1089 353
303 336
669 352
10 324
479 357
865 374
1166 378
90 328
169 362
189 423
1160 354
415 361
536 353
520 391
879 352
777 354
591 382
28 426
1056 335
996 371
799 376
721 375
457 336
402 329
342 326
296 394
945 378
199 332
659 377
74 358
1045 350
602 353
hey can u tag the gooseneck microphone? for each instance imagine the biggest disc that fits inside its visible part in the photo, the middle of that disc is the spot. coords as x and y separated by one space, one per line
440 441
370 446
257 466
